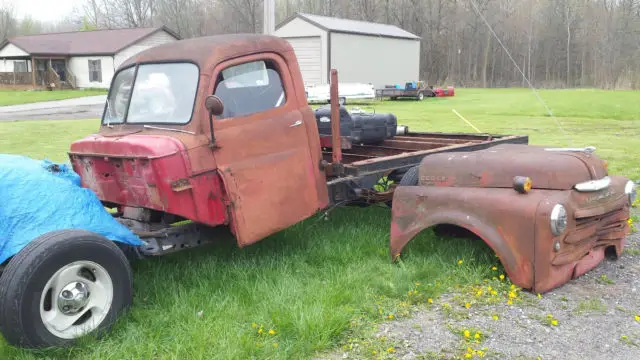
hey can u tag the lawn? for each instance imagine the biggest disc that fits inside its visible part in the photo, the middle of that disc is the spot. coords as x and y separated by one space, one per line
321 284
16 97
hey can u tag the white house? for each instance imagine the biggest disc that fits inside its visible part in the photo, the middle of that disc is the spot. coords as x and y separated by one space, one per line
362 52
81 59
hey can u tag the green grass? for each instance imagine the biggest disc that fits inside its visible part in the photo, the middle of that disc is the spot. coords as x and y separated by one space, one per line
16 97
321 284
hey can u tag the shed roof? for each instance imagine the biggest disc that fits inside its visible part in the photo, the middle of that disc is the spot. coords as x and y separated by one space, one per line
97 42
347 26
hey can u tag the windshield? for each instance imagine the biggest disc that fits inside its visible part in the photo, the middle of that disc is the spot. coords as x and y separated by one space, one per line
161 93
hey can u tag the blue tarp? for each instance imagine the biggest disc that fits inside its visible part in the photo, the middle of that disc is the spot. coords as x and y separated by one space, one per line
37 197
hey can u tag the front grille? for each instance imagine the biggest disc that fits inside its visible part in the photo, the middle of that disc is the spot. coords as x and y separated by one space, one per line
592 232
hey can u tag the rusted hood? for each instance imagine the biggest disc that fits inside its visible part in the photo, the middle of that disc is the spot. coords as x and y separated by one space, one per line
127 146
496 167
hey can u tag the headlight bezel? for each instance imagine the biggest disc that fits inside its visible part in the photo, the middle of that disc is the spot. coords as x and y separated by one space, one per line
630 189
558 220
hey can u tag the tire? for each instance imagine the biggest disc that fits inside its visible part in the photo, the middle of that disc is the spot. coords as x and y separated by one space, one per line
420 96
410 178
97 276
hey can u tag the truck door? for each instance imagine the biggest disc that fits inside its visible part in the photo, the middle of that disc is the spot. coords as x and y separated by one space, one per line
263 150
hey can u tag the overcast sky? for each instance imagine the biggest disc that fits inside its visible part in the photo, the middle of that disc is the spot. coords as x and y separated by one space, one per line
45 10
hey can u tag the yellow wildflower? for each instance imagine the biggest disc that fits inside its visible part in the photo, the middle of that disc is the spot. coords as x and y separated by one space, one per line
509 302
554 322
275 345
417 284
495 268
467 305
501 276
493 292
430 300
512 295
391 350
390 317
476 336
480 353
272 332
489 288
260 331
624 337
254 325
467 333
460 262
539 296
549 316
637 317
495 317
513 287
468 356
479 293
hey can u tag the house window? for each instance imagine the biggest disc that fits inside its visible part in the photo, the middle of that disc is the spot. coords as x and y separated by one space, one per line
20 66
95 70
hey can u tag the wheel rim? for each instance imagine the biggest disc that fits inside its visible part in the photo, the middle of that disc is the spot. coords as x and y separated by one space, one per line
421 96
76 299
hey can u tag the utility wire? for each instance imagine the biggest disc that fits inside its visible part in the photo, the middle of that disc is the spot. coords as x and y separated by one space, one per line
535 92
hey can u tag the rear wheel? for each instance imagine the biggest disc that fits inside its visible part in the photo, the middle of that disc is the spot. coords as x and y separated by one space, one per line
61 286
420 96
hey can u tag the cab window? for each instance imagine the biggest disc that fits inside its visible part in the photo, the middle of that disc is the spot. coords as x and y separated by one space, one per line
249 88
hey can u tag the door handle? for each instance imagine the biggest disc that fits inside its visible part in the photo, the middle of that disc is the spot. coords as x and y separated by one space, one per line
297 123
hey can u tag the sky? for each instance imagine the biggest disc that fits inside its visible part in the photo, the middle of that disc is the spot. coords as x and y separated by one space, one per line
44 10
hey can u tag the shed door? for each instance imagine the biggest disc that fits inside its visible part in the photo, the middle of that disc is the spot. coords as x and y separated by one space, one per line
309 53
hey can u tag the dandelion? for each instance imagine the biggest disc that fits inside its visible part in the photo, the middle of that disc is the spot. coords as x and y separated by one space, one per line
430 300
494 268
272 332
539 296
476 336
495 317
512 295
254 325
480 353
554 322
467 305
637 317
489 288
549 316
493 292
467 333
390 317
479 293
260 331
391 350
460 262
509 302
501 276
468 356
513 287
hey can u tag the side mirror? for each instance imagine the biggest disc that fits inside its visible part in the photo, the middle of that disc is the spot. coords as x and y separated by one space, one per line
214 105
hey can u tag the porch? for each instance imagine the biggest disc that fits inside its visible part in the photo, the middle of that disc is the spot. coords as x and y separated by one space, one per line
50 72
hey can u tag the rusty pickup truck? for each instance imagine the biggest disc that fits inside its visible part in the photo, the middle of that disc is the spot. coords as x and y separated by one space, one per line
216 133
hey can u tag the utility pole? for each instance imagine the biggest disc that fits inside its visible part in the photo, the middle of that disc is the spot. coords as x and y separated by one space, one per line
269 22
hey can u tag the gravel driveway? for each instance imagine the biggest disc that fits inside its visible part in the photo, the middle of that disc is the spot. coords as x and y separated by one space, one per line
596 316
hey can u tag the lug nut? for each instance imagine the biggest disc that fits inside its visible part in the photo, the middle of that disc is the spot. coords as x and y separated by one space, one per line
66 294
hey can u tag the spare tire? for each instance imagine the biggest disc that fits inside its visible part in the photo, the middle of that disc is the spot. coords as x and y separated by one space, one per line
410 178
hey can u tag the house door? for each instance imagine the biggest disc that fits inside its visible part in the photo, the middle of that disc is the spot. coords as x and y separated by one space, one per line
263 149
60 67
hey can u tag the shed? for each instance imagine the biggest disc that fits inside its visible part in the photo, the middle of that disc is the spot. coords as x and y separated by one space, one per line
362 52
78 59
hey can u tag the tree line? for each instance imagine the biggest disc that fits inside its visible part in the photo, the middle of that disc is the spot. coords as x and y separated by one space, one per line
480 43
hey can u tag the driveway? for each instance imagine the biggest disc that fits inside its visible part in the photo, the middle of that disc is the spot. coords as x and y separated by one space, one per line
89 107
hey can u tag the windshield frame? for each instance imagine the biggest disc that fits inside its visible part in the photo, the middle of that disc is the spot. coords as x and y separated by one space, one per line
133 85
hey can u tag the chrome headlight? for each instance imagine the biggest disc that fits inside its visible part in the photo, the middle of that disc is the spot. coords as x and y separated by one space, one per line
630 190
558 220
